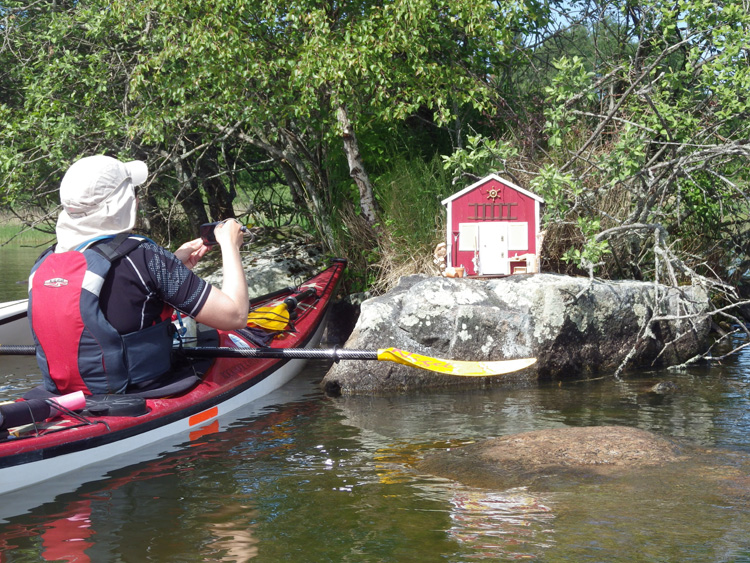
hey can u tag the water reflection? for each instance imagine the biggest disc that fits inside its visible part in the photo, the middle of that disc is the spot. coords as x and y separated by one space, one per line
497 525
660 509
233 542
148 510
63 536
316 479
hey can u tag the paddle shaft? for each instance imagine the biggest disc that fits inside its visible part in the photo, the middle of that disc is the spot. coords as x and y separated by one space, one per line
448 367
16 350
335 354
219 352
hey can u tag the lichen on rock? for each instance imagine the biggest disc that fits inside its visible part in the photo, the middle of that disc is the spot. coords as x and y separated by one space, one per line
574 327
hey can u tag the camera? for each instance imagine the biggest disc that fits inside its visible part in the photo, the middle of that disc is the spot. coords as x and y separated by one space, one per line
207 233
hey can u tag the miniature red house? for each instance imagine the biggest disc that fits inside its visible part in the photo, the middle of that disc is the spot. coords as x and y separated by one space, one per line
493 228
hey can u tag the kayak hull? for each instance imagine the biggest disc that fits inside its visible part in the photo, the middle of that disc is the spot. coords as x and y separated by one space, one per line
227 385
35 471
14 325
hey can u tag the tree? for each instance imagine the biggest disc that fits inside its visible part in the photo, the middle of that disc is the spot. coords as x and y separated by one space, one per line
193 86
645 173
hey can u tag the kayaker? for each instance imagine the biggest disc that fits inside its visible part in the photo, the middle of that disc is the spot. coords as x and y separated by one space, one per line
101 299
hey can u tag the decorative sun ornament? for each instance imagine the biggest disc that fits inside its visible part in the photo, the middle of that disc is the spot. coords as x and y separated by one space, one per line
493 194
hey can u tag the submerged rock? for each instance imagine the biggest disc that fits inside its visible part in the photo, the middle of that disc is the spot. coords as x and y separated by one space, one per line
573 326
664 388
560 455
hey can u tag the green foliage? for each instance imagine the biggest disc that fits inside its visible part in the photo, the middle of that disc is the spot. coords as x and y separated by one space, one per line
198 87
649 131
593 250
626 157
410 195
571 81
559 191
480 157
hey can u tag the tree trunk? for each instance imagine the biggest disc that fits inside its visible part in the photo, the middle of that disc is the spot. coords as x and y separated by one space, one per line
189 196
219 197
152 222
357 167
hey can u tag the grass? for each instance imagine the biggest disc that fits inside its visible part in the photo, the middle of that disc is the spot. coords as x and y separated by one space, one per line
410 195
14 232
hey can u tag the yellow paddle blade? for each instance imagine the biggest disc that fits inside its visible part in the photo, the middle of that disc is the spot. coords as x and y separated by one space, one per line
270 318
453 367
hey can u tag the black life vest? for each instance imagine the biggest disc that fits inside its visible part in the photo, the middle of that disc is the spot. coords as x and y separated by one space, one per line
76 347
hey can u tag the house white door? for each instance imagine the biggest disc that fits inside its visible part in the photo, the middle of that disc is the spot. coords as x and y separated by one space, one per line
493 249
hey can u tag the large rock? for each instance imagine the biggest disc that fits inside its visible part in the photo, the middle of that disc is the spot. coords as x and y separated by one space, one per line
574 327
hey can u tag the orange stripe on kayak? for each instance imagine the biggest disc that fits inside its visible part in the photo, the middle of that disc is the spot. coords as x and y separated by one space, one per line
203 416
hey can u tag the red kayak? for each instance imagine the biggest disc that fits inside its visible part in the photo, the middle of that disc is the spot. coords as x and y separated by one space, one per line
205 387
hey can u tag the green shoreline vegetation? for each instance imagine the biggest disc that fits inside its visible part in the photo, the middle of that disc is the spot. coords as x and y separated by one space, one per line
13 232
353 122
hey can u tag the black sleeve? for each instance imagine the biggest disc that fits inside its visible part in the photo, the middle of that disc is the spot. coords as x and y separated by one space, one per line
173 282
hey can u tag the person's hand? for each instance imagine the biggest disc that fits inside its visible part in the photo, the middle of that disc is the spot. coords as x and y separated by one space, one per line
191 252
230 233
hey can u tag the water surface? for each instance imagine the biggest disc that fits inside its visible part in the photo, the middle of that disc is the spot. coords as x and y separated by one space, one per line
310 478
15 264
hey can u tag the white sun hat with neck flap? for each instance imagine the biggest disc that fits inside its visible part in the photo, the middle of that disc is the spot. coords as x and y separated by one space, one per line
98 198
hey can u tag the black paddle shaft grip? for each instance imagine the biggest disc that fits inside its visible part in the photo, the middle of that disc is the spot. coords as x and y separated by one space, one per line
292 301
335 354
23 412
16 350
